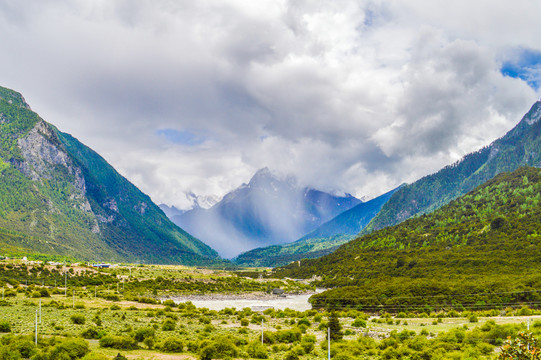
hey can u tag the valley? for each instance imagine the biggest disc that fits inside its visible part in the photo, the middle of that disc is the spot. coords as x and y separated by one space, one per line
126 312
444 268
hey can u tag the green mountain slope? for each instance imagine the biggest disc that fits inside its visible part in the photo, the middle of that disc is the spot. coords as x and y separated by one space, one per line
322 241
519 147
482 249
57 196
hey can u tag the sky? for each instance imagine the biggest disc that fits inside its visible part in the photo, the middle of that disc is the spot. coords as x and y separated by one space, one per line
193 97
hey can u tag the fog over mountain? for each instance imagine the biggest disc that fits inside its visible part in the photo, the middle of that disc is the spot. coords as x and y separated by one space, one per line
270 209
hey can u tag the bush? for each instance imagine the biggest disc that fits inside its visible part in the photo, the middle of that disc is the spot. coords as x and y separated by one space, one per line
304 321
288 336
168 325
359 322
110 297
78 319
118 342
74 348
170 303
256 350
5 327
90 333
308 343
291 355
172 345
144 333
221 348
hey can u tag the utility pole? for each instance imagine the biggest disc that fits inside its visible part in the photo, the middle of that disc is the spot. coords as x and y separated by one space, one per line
262 331
36 323
329 342
40 311
66 283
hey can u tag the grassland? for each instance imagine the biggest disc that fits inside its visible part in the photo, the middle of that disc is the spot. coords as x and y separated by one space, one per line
106 312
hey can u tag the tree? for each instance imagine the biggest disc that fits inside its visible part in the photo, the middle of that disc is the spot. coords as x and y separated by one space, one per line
335 327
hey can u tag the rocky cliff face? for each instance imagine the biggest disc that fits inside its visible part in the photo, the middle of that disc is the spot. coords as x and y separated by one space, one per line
43 156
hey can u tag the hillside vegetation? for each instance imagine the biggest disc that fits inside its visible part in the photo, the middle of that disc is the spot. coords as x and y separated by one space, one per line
519 147
481 250
59 197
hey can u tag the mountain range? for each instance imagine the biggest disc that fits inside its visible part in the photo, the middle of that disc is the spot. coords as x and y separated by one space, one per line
323 240
57 196
520 146
269 210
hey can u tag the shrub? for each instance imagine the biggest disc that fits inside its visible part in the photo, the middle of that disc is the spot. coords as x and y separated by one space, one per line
5 327
23 346
111 297
118 342
74 348
308 343
256 350
291 355
304 321
78 319
244 322
288 336
170 303
359 322
172 345
221 348
90 333
144 333
204 320
168 325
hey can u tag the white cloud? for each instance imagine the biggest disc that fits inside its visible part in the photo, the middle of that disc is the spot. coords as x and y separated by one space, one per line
352 96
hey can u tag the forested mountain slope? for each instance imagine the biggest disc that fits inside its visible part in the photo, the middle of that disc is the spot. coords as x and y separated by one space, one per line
486 243
519 147
58 196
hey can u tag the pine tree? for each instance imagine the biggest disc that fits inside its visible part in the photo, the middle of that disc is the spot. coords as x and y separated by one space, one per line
335 327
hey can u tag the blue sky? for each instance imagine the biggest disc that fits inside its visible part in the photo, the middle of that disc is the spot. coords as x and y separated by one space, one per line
525 65
193 97
181 137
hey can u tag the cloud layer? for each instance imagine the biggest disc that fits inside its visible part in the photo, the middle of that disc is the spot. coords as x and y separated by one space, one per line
348 96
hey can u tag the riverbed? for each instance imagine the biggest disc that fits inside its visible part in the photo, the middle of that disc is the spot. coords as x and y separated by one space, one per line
255 302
